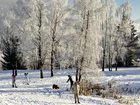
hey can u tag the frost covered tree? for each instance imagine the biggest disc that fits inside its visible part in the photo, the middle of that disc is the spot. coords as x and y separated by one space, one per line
33 13
57 13
123 32
108 30
43 23
88 33
116 29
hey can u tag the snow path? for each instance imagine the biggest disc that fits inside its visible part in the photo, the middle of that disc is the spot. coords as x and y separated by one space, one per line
39 98
40 91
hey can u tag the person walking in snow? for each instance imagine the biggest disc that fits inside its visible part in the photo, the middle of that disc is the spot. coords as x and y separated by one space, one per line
14 81
71 81
26 78
76 90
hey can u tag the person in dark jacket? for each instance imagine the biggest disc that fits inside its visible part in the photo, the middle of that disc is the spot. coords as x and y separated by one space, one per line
71 81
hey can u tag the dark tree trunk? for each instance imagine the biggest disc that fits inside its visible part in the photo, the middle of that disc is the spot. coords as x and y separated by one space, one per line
116 68
103 65
52 55
41 73
40 59
53 46
104 47
52 64
78 70
109 64
76 74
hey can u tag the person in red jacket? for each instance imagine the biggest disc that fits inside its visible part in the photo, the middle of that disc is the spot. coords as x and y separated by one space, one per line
14 81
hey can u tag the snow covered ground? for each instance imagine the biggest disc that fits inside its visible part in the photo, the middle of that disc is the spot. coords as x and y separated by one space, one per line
40 91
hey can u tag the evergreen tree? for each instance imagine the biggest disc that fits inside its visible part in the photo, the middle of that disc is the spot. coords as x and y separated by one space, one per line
132 47
12 55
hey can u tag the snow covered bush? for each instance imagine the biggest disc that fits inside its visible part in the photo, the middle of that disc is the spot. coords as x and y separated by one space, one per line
104 90
88 88
110 93
128 101
118 91
110 90
128 88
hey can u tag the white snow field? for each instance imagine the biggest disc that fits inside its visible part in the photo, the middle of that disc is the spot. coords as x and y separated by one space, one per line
40 92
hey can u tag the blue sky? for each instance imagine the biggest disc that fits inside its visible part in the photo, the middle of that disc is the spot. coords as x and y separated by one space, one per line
135 8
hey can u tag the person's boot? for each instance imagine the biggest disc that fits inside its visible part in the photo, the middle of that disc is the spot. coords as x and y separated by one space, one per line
15 86
78 102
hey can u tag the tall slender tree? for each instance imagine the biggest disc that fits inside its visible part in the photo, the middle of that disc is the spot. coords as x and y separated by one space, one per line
57 13
89 37
123 33
108 33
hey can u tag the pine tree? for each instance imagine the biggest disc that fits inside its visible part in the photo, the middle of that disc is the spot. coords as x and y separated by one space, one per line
12 55
131 47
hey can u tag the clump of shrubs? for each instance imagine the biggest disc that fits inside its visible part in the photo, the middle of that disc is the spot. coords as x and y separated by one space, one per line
128 101
86 88
106 90
103 90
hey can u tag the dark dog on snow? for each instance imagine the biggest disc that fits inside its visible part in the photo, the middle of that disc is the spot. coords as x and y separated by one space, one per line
55 86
